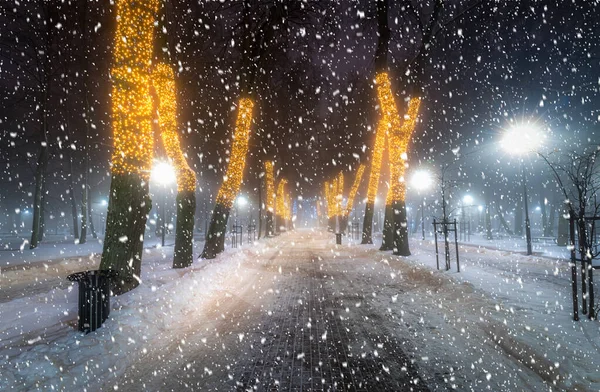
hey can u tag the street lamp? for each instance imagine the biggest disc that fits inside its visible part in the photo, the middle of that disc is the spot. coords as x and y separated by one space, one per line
240 202
467 202
520 140
422 180
164 174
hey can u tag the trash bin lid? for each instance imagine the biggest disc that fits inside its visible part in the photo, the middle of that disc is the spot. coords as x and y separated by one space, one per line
83 275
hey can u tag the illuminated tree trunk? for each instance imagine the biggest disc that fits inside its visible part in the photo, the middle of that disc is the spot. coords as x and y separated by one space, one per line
352 196
270 198
251 46
260 208
129 199
166 103
280 205
398 154
215 242
380 66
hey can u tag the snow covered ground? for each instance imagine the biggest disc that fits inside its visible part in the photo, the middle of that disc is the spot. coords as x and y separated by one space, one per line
502 324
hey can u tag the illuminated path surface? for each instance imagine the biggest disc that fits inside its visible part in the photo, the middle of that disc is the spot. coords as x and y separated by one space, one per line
301 316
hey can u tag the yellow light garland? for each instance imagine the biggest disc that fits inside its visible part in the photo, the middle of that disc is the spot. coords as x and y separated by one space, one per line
398 151
164 83
131 101
354 189
235 171
329 208
280 208
288 207
270 186
339 183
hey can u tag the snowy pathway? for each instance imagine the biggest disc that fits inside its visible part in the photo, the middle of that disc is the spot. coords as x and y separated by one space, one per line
295 318
297 312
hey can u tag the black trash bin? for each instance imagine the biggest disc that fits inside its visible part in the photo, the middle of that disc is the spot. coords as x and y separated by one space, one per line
94 298
338 238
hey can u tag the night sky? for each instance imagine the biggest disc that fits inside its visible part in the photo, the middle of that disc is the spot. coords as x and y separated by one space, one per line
492 63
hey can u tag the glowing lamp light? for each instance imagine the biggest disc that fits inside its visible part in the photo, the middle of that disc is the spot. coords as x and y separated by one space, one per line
103 202
270 186
241 201
480 208
468 199
421 180
163 173
521 139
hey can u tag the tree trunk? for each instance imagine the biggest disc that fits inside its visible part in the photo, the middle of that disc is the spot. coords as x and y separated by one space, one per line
269 232
84 213
387 242
401 247
488 220
38 199
367 231
90 217
42 231
552 217
563 227
73 201
518 219
215 239
260 207
503 221
186 207
128 210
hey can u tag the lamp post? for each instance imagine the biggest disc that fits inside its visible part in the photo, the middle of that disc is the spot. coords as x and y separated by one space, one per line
467 202
164 174
422 180
520 140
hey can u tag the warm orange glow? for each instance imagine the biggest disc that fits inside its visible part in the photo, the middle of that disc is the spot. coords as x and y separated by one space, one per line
339 191
400 137
354 189
131 99
163 79
270 186
280 209
237 160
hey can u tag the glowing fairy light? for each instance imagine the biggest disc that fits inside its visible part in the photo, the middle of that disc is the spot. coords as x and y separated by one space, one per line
354 189
270 186
339 190
399 140
235 170
164 84
131 101
280 208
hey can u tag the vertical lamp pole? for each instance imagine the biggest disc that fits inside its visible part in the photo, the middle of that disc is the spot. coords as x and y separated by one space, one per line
527 222
520 140
422 180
